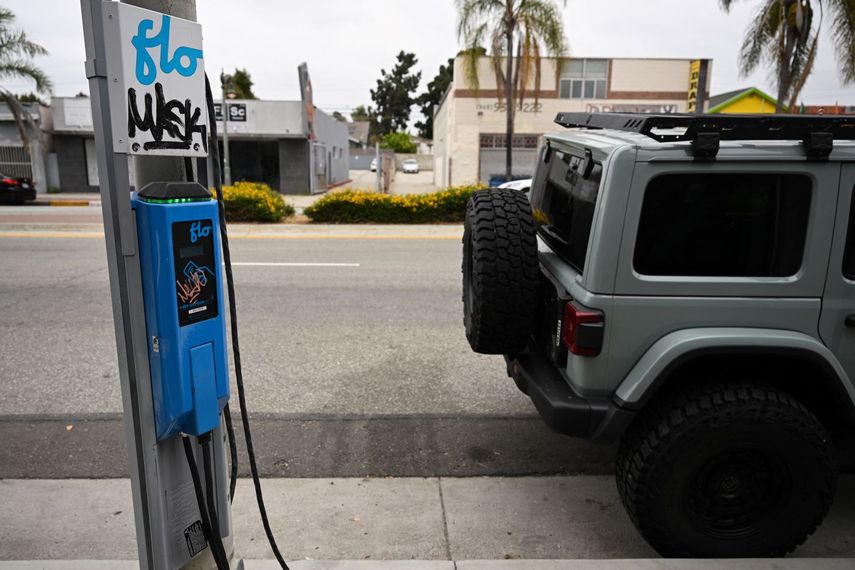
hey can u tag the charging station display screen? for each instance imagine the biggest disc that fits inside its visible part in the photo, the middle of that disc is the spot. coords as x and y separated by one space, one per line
195 271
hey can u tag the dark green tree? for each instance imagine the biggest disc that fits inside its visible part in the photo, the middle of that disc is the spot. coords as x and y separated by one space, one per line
784 37
339 117
240 83
430 99
361 113
393 97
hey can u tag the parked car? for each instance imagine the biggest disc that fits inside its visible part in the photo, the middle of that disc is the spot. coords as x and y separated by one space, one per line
523 185
684 285
374 165
16 190
411 166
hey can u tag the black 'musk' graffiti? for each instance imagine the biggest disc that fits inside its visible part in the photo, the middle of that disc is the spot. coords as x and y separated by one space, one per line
176 119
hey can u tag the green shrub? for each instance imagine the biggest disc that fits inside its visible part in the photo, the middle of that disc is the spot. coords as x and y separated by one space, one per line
254 202
365 207
398 142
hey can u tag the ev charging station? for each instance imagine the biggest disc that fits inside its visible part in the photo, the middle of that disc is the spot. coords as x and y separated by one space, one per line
165 255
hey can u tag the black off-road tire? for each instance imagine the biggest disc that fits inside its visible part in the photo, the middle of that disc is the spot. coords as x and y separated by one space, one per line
730 469
500 271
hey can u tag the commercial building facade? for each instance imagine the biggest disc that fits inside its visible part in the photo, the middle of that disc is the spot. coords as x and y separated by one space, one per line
268 142
469 125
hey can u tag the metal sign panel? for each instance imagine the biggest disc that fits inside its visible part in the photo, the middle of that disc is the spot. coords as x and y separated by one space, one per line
157 82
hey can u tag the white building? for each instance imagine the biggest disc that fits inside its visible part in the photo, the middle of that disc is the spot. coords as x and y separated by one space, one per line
469 125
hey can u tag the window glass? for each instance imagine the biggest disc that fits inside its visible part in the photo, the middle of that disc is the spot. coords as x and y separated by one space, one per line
723 225
589 89
596 68
563 203
577 90
601 89
849 254
572 68
564 89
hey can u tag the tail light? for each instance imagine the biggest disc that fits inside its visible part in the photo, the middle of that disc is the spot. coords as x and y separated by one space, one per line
9 181
582 330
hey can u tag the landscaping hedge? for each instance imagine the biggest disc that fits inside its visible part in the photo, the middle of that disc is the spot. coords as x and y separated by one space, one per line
254 202
365 207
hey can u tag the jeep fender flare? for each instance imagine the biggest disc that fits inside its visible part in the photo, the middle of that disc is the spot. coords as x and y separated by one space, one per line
677 348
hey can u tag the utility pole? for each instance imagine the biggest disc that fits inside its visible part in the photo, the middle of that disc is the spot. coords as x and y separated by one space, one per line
379 166
227 169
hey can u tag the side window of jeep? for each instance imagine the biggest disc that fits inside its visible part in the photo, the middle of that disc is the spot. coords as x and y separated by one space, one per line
723 225
563 202
849 252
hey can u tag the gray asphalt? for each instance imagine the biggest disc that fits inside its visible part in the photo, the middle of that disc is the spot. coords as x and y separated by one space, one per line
382 338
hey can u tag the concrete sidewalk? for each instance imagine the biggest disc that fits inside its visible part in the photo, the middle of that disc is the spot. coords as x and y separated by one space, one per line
427 519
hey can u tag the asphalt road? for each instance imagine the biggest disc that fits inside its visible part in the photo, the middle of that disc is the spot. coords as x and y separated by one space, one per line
381 337
361 366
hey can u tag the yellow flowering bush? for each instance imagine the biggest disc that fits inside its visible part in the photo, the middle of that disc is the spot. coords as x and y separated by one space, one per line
366 207
254 202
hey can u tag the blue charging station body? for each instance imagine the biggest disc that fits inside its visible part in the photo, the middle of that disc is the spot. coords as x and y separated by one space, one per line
181 266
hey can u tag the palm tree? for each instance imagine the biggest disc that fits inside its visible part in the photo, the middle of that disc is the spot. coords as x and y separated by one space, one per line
16 54
535 26
785 35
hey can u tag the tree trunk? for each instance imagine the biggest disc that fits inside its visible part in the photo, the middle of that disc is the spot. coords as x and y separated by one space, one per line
785 72
509 101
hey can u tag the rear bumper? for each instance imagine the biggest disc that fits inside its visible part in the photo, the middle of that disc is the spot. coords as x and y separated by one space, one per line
563 410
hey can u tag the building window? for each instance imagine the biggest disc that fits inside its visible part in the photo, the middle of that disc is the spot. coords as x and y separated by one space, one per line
490 140
584 79
723 225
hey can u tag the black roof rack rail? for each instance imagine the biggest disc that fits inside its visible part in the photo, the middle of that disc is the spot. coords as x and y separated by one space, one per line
705 131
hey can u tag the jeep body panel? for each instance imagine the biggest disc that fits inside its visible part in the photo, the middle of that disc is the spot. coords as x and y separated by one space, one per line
678 347
838 302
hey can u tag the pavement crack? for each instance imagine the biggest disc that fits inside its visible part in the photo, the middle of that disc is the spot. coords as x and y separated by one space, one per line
444 521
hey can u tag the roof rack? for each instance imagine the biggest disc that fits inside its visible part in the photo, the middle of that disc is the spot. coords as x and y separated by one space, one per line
706 131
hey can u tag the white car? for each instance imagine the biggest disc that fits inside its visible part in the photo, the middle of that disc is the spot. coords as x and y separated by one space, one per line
523 185
411 165
374 165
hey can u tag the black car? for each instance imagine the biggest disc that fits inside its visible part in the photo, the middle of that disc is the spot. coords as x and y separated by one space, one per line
16 190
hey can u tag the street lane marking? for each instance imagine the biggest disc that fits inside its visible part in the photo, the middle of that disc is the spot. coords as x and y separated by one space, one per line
99 235
290 264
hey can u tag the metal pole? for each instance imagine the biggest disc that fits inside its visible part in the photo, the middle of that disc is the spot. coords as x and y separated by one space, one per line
227 169
158 470
379 167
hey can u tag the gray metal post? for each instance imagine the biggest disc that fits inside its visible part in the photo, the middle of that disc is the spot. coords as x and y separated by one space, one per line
160 480
379 167
227 169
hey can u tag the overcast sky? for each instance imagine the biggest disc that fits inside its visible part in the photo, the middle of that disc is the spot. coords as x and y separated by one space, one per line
346 43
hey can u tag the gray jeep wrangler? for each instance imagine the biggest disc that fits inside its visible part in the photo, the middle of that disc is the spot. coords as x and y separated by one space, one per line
685 285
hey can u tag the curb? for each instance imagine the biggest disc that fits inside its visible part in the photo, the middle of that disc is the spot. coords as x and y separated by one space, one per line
64 203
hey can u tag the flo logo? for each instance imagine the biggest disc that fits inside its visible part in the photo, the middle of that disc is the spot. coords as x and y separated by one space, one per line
197 231
184 60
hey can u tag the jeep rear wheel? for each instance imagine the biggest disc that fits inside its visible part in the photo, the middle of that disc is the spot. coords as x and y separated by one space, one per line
726 470
500 271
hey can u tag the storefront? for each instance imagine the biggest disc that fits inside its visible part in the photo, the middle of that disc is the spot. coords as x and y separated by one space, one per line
268 142
469 125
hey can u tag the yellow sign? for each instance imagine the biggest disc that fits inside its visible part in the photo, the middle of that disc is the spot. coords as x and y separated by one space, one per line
694 85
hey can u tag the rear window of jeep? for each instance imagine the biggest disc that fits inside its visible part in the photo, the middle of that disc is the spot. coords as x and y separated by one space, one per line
563 202
723 225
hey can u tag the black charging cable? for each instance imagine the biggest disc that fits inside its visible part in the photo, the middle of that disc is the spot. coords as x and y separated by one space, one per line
227 258
207 512
230 429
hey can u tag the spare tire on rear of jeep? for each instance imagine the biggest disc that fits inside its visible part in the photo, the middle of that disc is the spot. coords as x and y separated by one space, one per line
500 271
